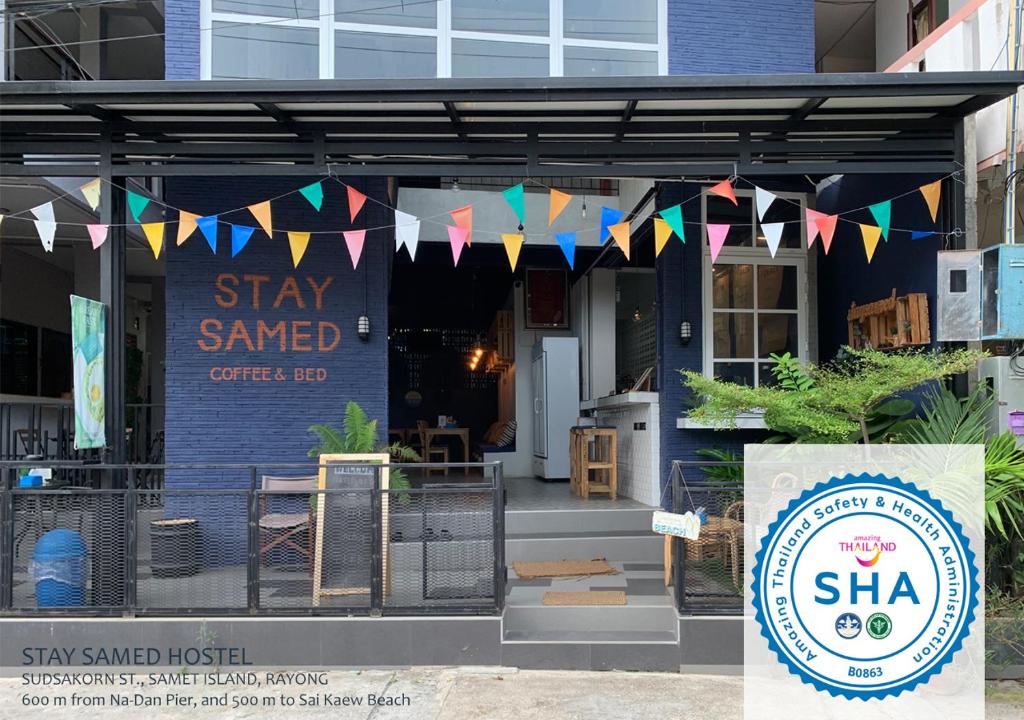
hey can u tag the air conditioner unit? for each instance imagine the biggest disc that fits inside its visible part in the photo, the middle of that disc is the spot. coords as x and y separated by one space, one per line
1005 377
980 294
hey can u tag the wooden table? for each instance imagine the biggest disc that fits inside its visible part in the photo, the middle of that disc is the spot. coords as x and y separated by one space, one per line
430 433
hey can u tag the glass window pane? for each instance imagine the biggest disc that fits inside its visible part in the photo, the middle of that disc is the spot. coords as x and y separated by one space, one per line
732 286
264 52
375 55
411 13
765 376
785 211
734 335
486 58
522 17
635 21
776 333
721 210
273 8
776 287
735 372
581 61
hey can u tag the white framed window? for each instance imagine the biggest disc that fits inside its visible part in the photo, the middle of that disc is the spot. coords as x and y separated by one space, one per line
355 39
753 304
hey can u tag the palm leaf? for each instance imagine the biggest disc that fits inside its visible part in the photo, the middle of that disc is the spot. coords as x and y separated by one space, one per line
331 441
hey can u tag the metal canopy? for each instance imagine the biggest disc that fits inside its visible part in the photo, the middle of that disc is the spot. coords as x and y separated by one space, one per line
816 124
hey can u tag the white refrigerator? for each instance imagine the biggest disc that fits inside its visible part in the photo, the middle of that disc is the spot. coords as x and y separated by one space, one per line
556 403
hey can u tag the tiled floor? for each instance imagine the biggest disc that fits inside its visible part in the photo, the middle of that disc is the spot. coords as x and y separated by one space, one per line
643 582
535 494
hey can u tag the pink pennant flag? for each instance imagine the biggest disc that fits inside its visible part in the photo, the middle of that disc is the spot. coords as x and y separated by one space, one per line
355 202
827 228
716 238
98 235
354 239
812 224
457 236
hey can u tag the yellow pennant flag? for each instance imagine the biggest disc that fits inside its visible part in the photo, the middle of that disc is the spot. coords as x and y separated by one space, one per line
91 193
298 241
932 192
186 225
155 235
261 211
513 243
870 234
557 201
620 231
662 232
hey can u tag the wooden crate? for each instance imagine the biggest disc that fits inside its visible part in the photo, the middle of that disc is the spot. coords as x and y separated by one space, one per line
890 323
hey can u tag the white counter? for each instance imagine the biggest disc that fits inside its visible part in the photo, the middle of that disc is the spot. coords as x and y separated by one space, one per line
621 400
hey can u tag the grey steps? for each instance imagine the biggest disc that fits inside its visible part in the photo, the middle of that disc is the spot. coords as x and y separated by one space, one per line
611 655
540 521
591 636
659 618
619 548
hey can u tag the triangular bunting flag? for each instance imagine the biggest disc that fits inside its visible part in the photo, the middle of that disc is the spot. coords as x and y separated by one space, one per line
137 203
355 202
298 242
515 197
463 217
882 212
812 216
932 192
513 243
773 235
44 212
662 232
407 232
240 235
155 234
567 241
724 189
674 217
98 235
827 228
91 193
919 234
208 227
609 217
764 201
870 235
620 231
314 194
557 200
354 239
716 238
45 225
457 237
261 211
186 225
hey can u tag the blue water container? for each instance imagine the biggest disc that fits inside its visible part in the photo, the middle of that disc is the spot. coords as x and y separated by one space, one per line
59 567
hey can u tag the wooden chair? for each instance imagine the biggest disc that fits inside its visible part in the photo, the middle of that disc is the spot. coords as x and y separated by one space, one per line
433 454
285 529
593 474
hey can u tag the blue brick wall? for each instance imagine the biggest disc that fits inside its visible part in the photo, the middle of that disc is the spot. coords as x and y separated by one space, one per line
181 39
740 37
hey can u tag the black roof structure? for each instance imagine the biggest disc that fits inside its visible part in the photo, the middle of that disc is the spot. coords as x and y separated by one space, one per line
814 124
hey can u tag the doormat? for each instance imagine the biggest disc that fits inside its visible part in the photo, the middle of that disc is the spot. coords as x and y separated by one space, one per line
595 597
563 568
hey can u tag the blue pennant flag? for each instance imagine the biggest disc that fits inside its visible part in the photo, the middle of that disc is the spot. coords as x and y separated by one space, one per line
918 234
609 216
208 226
240 235
567 241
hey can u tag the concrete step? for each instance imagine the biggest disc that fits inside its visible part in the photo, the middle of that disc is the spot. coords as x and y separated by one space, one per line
625 654
591 636
655 616
543 521
625 547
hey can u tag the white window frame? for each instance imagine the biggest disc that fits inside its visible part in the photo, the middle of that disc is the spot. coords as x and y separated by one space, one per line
327 26
736 255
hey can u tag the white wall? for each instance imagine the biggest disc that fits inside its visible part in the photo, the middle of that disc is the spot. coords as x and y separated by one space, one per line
890 32
593 322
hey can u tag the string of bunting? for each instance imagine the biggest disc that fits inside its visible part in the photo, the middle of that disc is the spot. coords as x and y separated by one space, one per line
459 222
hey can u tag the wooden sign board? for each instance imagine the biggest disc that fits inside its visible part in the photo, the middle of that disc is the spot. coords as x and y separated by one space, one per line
343 560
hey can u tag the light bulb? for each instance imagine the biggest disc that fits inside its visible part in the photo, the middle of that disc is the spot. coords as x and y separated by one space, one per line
455 185
583 210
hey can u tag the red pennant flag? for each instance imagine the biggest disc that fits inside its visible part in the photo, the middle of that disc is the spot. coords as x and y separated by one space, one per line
827 228
355 202
724 189
812 217
463 217
354 239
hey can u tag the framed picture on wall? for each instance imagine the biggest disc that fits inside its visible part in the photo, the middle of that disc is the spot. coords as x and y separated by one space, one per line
547 299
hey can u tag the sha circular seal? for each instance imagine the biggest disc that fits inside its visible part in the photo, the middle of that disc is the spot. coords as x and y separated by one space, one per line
870 547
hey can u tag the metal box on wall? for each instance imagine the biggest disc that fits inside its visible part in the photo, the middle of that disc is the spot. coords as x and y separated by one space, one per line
958 296
1002 299
980 294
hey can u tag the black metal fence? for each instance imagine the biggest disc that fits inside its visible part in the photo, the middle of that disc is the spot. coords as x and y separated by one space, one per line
254 539
708 572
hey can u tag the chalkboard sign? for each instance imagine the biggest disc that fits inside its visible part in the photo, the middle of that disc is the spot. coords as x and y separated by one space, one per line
343 561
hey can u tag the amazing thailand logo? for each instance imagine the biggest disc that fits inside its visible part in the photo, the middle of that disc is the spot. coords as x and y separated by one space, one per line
865 586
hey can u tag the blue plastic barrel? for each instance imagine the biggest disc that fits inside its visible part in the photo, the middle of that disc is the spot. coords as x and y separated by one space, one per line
59 566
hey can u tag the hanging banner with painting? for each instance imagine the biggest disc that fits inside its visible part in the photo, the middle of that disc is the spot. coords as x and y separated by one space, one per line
88 328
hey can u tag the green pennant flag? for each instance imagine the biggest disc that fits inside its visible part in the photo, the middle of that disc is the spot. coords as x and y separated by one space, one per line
674 217
137 203
514 197
882 213
314 193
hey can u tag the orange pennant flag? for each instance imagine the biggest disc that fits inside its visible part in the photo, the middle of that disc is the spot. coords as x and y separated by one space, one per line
298 242
155 234
261 211
513 244
932 192
662 232
463 217
620 231
355 202
557 200
870 234
827 227
186 225
724 189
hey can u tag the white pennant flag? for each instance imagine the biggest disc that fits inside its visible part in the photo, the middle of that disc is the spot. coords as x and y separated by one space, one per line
773 235
764 201
45 225
407 232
